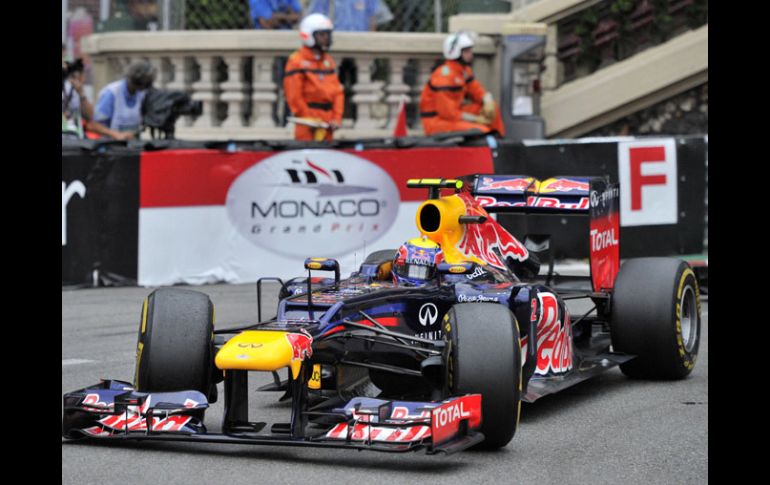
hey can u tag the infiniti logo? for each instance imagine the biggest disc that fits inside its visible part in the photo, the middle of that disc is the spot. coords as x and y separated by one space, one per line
428 314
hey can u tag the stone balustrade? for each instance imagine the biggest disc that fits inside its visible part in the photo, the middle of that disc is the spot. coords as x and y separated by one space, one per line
236 76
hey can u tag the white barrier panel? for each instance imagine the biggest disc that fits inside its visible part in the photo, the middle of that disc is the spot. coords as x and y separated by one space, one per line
208 216
647 170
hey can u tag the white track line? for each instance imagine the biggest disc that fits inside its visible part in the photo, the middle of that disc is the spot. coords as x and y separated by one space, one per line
76 361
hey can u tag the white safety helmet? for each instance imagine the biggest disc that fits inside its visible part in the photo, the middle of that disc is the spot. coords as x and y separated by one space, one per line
456 42
312 24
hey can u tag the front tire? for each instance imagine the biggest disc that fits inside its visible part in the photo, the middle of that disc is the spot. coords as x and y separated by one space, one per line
656 316
484 357
175 344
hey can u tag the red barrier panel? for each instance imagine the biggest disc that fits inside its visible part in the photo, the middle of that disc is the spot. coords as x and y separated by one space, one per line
208 215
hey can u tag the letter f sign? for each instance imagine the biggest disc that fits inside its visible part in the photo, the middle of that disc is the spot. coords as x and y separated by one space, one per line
638 157
67 192
648 182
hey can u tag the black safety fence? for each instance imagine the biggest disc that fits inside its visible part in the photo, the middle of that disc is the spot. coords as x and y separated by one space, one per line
100 214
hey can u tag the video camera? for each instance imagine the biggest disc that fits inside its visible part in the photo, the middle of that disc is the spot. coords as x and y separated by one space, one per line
161 109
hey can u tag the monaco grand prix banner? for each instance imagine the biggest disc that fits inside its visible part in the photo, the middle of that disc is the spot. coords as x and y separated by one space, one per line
207 216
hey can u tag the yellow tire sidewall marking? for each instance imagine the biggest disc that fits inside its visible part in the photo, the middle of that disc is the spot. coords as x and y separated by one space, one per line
687 361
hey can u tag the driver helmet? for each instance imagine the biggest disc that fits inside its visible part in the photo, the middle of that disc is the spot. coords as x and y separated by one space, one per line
311 24
415 262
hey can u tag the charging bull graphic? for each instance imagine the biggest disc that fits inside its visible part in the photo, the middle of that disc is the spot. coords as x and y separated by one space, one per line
488 241
301 345
509 184
563 185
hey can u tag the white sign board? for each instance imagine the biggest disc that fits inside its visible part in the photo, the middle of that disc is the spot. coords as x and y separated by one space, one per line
648 182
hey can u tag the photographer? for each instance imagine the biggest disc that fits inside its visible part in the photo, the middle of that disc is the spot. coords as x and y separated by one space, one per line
119 107
77 112
75 106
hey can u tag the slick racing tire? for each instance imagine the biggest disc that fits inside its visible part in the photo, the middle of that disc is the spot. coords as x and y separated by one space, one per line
655 315
175 346
484 357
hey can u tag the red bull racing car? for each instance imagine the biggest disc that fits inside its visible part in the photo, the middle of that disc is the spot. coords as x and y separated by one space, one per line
431 346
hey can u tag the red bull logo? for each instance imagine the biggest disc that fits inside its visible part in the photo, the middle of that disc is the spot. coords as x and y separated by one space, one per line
554 337
563 185
555 203
510 185
301 345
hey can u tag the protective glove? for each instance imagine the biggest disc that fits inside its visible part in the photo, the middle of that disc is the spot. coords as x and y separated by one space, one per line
480 119
319 134
489 108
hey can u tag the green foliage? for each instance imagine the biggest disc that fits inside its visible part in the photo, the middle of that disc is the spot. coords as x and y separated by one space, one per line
663 27
622 6
590 56
217 14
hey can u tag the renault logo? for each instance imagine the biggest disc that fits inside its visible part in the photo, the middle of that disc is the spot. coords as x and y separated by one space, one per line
428 314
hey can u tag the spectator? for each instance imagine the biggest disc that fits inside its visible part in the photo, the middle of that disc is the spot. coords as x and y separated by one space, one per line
145 13
75 107
313 91
441 100
415 15
275 14
119 106
76 110
348 15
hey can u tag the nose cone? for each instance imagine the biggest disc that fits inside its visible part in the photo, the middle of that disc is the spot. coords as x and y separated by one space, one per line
265 350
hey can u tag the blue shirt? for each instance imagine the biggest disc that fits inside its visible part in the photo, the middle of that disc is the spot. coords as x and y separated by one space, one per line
105 109
265 9
349 15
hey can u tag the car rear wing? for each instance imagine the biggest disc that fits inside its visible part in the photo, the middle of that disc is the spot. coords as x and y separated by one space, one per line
595 197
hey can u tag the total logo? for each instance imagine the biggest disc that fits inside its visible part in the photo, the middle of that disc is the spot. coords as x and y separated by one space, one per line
444 416
301 199
603 239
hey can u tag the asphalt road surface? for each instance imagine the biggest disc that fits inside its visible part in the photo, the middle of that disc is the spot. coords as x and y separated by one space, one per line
609 429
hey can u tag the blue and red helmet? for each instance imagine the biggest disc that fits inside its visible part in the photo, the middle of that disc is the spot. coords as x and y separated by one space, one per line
415 262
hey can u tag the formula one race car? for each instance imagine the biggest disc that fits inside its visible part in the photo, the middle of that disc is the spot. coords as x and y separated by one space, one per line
432 346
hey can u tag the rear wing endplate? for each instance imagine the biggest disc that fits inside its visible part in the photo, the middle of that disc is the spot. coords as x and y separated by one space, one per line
595 197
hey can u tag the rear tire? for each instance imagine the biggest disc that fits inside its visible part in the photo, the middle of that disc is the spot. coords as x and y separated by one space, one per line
175 345
485 358
656 316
